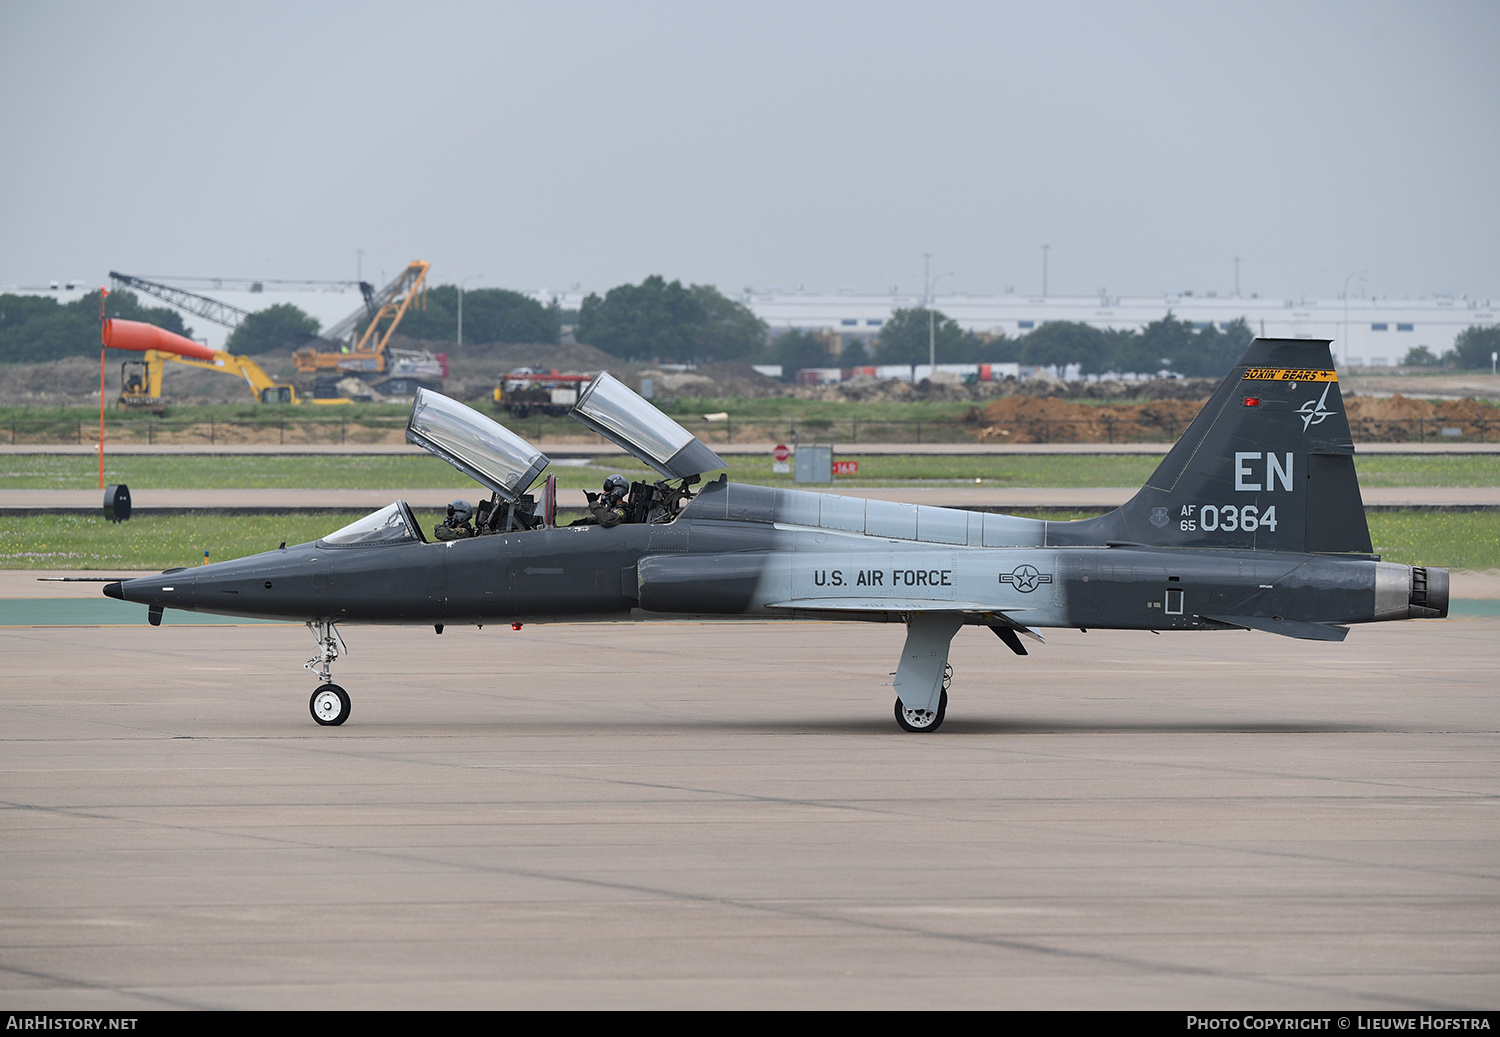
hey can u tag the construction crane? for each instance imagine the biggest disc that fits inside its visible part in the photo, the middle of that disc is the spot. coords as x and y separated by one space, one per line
200 305
344 347
367 352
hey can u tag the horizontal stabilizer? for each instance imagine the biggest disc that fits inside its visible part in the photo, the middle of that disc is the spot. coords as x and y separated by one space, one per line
1285 627
1012 642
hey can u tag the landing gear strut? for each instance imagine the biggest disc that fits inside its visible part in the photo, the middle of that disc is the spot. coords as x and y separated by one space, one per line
330 704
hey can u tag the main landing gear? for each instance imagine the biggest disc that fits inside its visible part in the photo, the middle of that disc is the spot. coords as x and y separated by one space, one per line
923 675
330 704
920 720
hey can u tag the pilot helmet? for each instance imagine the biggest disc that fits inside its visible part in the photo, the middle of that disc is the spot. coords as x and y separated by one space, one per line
616 484
459 512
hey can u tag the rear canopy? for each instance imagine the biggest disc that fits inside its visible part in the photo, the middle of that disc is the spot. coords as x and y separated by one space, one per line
610 409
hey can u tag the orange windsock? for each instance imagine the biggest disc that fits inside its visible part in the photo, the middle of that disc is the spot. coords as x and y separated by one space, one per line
139 336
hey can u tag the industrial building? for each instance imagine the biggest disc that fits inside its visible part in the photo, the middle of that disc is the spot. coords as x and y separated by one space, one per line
1366 331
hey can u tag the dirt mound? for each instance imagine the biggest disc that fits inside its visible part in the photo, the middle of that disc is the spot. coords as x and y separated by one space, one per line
1155 389
1031 419
72 380
1052 419
1391 408
1399 418
736 381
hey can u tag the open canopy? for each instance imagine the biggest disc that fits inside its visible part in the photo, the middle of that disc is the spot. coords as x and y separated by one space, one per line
619 415
480 447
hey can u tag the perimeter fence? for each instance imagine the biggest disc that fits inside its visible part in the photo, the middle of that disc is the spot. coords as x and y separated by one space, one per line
1106 428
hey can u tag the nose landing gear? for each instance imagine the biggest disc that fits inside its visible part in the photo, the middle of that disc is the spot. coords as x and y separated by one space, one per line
330 704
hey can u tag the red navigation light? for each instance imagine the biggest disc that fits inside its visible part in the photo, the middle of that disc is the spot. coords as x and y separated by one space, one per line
1252 401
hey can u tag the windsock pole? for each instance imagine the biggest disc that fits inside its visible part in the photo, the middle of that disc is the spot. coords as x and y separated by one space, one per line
102 294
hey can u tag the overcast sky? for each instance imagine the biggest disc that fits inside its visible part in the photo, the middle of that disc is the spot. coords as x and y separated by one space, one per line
763 143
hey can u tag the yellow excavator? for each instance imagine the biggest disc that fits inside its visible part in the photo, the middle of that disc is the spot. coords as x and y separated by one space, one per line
140 380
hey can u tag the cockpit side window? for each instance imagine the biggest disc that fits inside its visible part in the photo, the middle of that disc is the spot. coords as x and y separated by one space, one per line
391 524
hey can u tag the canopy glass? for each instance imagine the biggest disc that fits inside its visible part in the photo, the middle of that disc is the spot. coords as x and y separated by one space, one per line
390 524
476 445
619 415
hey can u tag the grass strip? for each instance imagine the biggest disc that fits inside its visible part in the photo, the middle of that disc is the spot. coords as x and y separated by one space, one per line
364 472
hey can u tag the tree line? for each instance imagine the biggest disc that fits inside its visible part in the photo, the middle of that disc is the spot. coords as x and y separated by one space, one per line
1474 349
1168 344
489 315
35 328
667 321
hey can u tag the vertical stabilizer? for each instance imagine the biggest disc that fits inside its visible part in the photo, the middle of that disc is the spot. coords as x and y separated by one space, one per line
1267 465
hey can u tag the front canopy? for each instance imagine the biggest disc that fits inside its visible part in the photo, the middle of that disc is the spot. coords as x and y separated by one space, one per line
393 523
480 447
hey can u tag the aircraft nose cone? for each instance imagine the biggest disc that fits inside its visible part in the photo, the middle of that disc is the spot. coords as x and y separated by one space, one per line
168 590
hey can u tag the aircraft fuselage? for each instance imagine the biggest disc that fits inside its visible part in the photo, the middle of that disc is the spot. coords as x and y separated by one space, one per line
720 567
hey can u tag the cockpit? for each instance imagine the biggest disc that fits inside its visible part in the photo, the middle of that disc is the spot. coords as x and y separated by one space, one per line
508 466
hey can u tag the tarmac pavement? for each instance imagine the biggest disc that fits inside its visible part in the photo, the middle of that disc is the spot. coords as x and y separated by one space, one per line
724 815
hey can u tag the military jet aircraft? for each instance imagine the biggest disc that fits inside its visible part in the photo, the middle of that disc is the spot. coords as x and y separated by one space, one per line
1252 521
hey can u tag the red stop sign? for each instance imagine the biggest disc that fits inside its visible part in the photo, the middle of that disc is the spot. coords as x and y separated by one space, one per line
781 453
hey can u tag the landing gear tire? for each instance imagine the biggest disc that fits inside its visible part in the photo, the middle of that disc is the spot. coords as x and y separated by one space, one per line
919 721
330 705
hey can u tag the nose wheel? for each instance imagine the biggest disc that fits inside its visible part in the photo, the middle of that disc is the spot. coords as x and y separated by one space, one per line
330 705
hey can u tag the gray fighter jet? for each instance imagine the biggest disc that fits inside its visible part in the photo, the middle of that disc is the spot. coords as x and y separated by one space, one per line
1252 521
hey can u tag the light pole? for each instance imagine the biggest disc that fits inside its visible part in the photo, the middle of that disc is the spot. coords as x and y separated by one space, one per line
932 322
1361 275
461 284
1045 250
